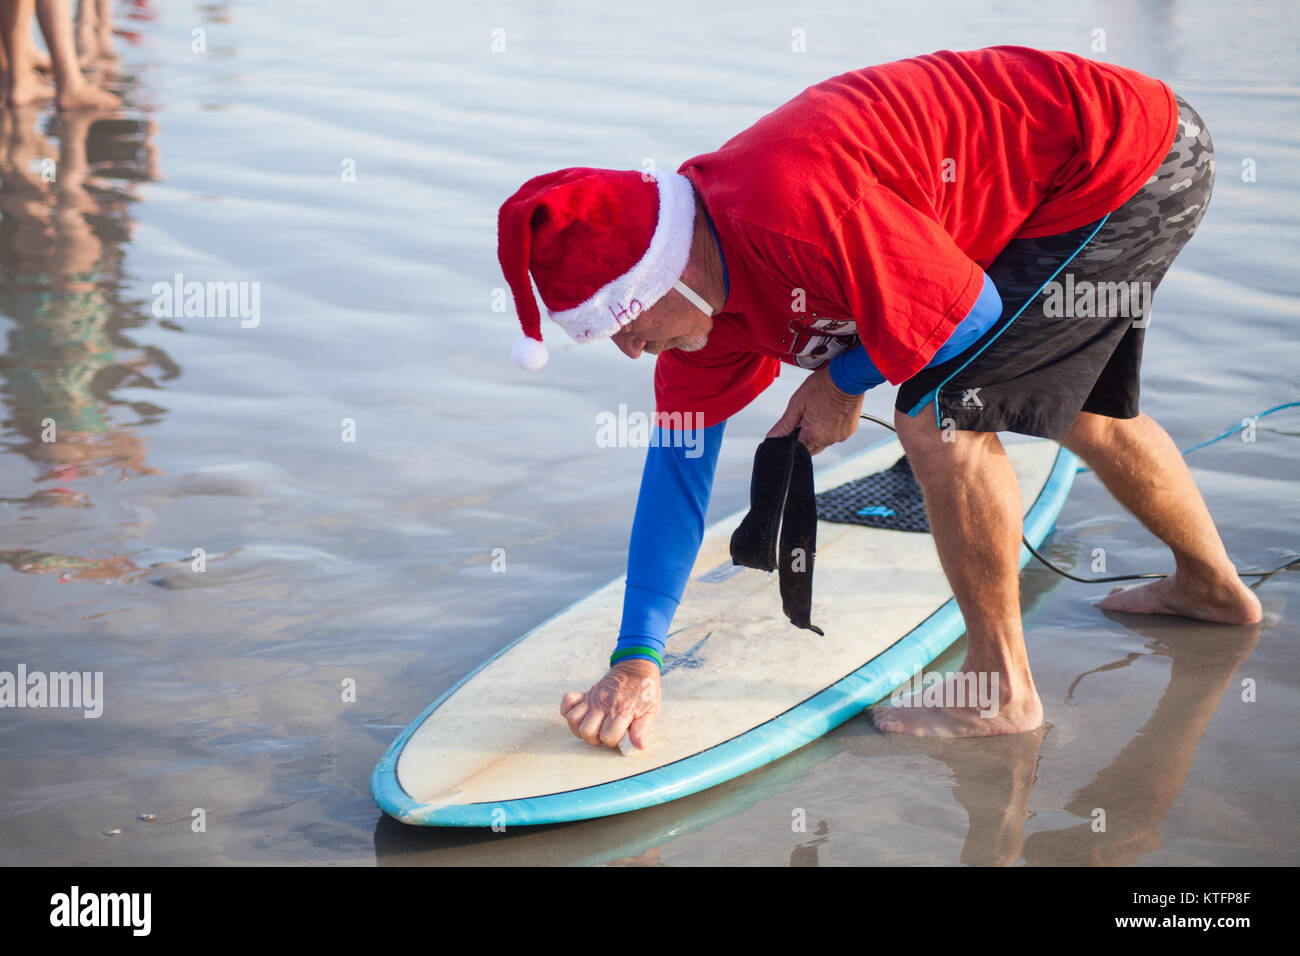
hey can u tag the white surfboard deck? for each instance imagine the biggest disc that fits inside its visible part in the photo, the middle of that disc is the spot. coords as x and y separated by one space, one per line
497 741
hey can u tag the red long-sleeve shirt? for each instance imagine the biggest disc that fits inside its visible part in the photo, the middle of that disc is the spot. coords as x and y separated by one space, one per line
867 207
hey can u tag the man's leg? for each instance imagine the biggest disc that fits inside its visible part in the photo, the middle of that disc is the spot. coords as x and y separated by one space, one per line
1140 465
973 502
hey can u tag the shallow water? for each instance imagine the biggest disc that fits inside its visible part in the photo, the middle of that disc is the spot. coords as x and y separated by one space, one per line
370 560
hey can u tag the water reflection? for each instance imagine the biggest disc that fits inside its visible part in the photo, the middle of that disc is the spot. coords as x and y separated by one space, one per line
1137 788
67 186
69 568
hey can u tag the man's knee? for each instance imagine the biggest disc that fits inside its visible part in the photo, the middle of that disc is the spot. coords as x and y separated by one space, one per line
930 447
918 434
1091 433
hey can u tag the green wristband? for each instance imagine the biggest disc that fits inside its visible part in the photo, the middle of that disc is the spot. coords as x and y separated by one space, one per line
636 651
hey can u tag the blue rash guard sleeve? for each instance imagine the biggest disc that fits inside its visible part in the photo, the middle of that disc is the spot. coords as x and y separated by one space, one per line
677 482
666 535
854 373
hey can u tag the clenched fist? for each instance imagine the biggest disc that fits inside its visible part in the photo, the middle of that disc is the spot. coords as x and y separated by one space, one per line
624 700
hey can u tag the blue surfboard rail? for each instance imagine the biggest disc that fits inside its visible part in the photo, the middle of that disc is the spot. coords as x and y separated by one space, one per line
775 738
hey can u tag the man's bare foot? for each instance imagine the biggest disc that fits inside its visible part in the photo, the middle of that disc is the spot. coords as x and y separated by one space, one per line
962 707
86 97
1227 601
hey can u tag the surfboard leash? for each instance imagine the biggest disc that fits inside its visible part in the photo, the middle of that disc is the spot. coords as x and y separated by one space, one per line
1293 562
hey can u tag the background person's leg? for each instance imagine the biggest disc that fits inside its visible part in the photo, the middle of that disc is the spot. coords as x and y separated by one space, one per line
73 90
22 84
1140 465
973 502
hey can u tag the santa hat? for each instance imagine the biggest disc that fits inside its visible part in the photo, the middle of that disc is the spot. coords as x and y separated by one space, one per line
603 245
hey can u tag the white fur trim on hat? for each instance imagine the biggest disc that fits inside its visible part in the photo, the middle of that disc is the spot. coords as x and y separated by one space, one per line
619 302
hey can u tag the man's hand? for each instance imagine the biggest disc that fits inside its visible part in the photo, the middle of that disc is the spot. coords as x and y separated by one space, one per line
823 414
624 700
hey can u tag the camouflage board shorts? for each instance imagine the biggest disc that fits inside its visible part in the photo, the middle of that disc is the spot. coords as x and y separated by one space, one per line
1075 306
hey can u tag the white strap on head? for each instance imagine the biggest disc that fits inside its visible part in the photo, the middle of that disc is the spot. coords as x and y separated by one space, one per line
693 297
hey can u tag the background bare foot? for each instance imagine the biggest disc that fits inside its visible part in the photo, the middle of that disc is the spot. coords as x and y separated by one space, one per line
87 96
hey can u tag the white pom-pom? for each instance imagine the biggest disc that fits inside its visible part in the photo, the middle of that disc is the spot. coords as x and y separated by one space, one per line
529 353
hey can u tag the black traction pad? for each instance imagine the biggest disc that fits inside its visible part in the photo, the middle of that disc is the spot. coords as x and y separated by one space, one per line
889 499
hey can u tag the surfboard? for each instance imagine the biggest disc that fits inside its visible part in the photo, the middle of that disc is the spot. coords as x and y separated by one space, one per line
741 685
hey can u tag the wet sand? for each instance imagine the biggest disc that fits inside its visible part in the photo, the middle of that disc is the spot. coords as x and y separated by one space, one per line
369 561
